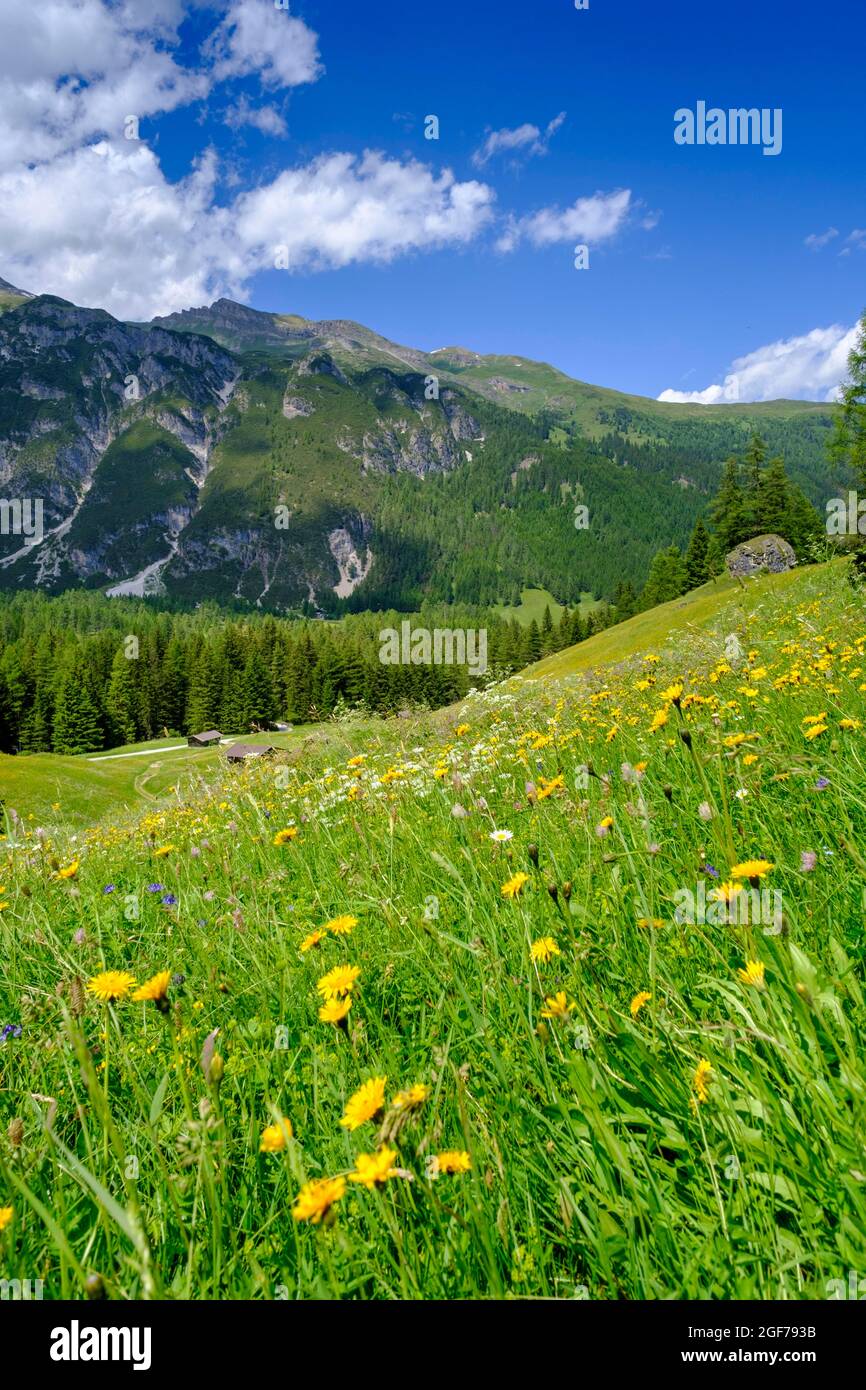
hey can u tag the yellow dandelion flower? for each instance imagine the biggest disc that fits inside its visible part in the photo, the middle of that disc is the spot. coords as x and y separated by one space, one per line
154 989
752 868
335 1010
544 949
70 871
514 887
411 1098
275 1137
462 729
371 1169
702 1078
315 1199
313 940
650 922
367 1102
339 981
110 985
358 759
643 997
6 1214
734 740
547 786
726 892
162 851
452 1161
674 693
753 974
660 718
815 731
558 1006
341 926
283 837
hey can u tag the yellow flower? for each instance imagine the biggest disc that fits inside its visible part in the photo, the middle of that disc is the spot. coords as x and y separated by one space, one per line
341 926
6 1214
702 1078
283 837
312 940
339 981
544 949
753 974
638 1002
162 851
275 1137
558 1006
70 871
548 786
335 1010
514 886
606 822
154 989
451 1161
414 1096
674 693
660 718
111 984
849 723
357 760
462 729
815 731
371 1169
734 740
316 1198
726 892
752 868
367 1102
650 922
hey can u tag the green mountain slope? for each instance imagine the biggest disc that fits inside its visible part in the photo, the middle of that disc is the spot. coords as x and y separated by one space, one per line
266 459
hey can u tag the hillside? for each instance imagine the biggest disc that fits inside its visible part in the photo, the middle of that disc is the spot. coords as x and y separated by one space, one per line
230 454
555 995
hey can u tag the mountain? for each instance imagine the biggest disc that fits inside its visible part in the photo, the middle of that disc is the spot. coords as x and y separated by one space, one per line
263 458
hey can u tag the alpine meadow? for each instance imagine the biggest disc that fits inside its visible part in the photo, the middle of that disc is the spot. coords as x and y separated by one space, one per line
432 786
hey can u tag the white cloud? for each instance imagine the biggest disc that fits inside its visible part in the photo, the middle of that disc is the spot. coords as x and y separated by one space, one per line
341 208
817 240
854 241
527 139
103 226
267 119
589 220
809 367
256 37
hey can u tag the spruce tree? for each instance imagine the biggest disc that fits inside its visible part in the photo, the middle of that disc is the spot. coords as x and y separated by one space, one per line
697 572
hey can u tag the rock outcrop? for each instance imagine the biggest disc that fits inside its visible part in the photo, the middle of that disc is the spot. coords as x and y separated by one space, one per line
770 553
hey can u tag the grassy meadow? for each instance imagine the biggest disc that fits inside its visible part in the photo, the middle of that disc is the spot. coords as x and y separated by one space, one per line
419 1013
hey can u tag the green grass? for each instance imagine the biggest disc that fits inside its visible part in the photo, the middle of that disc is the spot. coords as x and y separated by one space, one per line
533 603
703 1142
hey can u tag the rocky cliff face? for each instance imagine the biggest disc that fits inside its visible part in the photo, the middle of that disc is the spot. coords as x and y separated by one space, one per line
163 461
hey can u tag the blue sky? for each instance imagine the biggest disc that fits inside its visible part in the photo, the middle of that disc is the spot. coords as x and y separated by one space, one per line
712 269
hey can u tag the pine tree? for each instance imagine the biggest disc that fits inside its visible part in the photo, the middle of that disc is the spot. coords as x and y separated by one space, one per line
728 512
697 572
76 720
772 501
715 558
848 445
122 700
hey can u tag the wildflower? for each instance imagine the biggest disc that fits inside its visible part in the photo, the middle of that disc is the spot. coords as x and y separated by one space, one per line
371 1169
702 1078
753 974
6 1214
341 926
558 1006
70 871
109 888
674 693
367 1102
638 1002
544 949
808 860
162 851
275 1137
650 922
335 1010
549 786
726 892
514 887
169 900
412 1098
752 868
814 731
110 985
822 784
158 888
283 837
501 836
449 1161
312 940
660 718
315 1199
339 981
155 989
705 811
462 729
734 740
